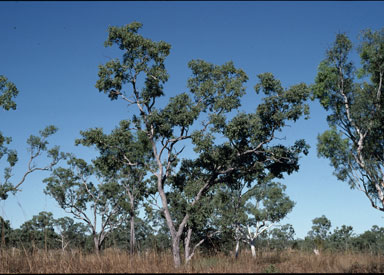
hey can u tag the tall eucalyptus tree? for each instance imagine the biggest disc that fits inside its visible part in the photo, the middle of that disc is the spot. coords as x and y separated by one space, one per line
226 148
354 143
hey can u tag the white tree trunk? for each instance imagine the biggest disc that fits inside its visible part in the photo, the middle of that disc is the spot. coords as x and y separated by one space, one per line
187 243
253 249
132 235
237 248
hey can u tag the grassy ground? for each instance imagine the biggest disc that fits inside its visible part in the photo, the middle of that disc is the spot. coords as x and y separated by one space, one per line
114 261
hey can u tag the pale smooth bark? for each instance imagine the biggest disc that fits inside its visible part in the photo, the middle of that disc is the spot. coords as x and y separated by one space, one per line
253 250
132 235
237 248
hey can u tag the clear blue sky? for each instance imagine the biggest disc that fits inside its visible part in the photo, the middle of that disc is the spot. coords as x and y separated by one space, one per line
51 51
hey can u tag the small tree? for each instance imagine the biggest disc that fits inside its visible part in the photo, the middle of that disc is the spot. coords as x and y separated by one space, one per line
70 232
266 205
341 237
75 192
39 231
5 232
354 144
370 241
282 236
320 230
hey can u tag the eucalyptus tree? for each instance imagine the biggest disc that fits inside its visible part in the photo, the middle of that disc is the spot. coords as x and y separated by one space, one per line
341 237
354 143
226 149
71 234
100 205
8 91
200 225
252 210
6 231
370 241
282 236
320 231
37 145
125 158
270 206
39 231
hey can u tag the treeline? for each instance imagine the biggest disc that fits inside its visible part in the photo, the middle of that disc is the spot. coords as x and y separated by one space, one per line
144 189
44 232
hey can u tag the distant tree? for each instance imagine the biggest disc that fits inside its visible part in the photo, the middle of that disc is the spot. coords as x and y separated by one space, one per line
75 192
120 236
282 236
320 230
249 210
354 143
214 91
5 232
71 234
39 231
370 241
270 205
341 238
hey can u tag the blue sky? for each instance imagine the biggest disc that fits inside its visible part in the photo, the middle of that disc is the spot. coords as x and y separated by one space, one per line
51 51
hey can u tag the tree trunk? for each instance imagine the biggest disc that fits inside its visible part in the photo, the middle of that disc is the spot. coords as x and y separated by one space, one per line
237 248
253 249
132 236
176 251
97 244
2 232
45 240
187 243
62 243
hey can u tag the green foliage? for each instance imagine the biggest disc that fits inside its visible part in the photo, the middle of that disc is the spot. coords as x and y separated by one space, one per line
39 231
341 238
219 88
8 91
271 269
271 204
37 145
331 145
75 192
72 234
282 236
320 228
141 56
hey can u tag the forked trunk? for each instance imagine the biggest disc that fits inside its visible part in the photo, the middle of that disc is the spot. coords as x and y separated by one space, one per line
97 244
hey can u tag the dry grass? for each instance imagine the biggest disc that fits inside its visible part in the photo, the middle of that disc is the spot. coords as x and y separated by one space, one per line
115 261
